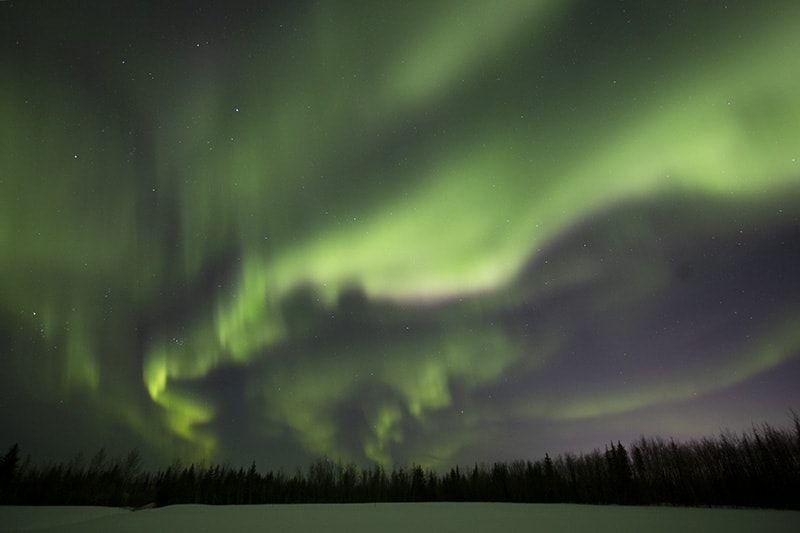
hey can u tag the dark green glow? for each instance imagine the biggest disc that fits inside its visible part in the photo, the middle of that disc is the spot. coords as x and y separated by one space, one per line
293 170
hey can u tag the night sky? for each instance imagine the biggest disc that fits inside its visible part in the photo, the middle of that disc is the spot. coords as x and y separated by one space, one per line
394 232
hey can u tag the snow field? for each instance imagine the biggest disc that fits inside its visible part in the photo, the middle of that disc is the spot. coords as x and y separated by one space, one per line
399 517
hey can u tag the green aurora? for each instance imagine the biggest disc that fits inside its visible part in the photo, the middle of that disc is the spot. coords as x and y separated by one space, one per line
396 232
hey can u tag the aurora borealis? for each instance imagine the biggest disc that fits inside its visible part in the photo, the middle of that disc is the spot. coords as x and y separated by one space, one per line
430 232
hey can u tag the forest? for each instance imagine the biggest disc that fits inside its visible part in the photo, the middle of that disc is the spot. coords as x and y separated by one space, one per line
759 468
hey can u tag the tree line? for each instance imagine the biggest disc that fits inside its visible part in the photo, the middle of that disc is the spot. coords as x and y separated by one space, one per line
760 468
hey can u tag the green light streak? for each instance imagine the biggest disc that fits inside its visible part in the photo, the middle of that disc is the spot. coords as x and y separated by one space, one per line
500 198
414 379
183 411
385 433
438 57
776 347
281 171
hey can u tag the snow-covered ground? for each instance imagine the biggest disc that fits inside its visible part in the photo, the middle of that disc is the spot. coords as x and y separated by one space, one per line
405 517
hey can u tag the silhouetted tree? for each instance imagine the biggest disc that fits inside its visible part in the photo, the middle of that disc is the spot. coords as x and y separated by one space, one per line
8 471
759 468
549 479
620 473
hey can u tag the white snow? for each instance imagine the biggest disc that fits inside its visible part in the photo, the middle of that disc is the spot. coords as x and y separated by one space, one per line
20 518
397 517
